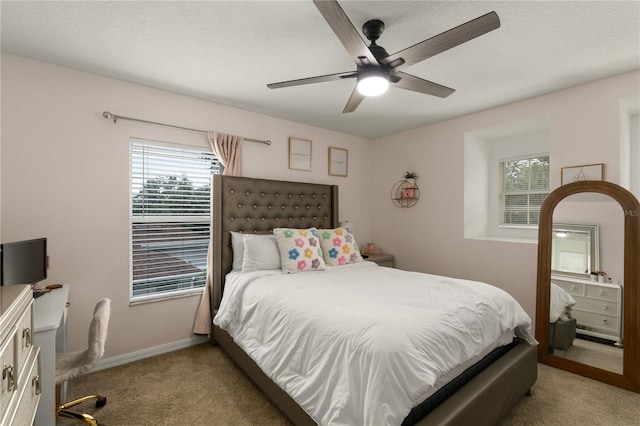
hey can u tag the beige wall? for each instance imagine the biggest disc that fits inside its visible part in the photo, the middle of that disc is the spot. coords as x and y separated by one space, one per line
65 176
584 128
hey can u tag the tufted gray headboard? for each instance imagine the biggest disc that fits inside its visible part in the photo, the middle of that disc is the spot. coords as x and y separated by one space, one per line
257 206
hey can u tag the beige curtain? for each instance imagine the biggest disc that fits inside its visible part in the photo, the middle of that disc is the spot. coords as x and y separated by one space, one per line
228 149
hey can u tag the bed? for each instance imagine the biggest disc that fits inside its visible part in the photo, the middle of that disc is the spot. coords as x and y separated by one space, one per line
480 393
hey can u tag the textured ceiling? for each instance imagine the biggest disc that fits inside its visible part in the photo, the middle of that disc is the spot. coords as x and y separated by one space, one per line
227 51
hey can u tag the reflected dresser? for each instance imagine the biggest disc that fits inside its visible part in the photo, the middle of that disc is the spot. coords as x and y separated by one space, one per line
598 308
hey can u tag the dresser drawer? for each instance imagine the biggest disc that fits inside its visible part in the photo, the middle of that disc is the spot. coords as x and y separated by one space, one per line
30 391
599 321
603 293
574 289
24 336
8 373
597 307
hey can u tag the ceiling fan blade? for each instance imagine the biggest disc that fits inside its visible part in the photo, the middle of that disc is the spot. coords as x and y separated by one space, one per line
311 80
443 41
417 84
345 31
354 100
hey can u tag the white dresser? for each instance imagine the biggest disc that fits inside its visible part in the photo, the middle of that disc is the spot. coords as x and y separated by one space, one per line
598 308
19 358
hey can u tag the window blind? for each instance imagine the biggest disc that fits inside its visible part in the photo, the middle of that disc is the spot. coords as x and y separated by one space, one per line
525 186
170 217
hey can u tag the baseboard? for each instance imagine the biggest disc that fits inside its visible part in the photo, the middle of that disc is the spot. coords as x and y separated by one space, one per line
148 352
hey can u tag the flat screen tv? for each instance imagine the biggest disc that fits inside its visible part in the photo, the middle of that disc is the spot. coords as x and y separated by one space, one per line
23 262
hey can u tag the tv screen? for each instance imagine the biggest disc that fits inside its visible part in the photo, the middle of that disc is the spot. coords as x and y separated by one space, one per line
23 262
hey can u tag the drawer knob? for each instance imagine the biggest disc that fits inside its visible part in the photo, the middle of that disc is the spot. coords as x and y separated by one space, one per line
605 322
605 307
35 384
26 337
7 373
601 292
573 287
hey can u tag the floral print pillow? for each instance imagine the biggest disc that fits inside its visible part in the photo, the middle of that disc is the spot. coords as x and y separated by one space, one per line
339 246
300 250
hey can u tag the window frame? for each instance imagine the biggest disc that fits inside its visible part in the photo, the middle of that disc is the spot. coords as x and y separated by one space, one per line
149 219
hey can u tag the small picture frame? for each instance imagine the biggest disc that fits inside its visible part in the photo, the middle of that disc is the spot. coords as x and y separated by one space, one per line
580 173
338 161
299 154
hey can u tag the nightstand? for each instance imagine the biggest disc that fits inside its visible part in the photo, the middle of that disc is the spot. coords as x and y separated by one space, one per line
381 259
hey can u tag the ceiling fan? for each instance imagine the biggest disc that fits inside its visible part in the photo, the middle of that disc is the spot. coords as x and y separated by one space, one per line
376 69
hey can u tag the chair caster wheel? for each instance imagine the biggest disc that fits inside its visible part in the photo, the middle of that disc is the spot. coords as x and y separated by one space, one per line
101 402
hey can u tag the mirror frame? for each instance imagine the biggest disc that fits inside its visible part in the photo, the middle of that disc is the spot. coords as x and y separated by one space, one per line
630 377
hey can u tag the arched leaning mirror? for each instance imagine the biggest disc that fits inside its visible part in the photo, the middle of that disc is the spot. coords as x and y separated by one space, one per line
588 294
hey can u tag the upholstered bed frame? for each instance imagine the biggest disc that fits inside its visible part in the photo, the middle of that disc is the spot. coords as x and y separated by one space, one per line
257 206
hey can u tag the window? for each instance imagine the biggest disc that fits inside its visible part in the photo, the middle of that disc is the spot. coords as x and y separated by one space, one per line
170 218
525 184
486 154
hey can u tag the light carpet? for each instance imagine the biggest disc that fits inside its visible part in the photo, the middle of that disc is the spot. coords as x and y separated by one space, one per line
201 385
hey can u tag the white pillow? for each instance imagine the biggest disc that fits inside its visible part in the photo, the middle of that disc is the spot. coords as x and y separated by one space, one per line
237 244
260 253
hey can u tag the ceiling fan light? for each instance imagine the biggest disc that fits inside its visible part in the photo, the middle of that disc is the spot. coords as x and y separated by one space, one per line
373 85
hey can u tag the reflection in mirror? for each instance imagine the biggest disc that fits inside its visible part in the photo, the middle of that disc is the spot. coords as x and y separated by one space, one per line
574 250
585 302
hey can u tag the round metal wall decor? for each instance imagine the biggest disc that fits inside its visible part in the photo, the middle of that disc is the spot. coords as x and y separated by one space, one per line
405 193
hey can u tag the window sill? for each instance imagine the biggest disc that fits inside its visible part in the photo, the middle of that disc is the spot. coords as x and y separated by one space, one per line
527 227
505 239
140 300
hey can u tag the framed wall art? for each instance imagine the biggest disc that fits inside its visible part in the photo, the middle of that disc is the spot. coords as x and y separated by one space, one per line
338 161
299 154
580 173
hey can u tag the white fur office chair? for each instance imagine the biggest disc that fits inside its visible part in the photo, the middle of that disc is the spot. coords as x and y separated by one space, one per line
74 364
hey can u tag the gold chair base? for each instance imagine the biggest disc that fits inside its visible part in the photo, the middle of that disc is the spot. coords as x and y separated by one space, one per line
63 409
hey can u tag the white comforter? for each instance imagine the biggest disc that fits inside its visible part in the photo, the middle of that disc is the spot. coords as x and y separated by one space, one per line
560 302
360 344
